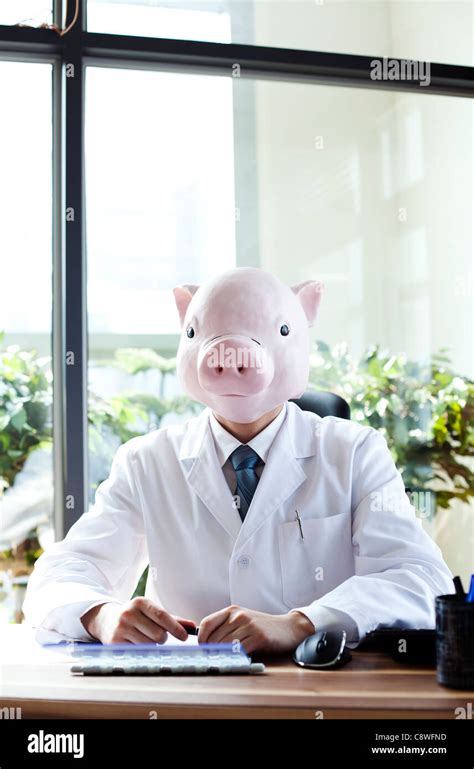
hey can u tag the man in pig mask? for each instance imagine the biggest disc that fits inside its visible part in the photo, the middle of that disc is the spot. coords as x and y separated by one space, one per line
260 522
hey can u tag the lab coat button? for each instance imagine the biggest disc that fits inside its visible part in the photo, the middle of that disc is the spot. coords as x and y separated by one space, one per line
244 561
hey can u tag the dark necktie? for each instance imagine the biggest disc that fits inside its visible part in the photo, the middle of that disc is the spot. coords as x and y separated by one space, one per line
244 461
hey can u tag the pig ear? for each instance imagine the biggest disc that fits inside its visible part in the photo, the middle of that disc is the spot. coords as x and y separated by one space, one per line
182 297
309 294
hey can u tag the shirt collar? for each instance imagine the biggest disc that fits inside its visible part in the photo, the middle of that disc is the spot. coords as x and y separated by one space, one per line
226 443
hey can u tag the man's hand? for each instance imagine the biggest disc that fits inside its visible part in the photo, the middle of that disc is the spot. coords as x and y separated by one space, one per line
257 631
138 621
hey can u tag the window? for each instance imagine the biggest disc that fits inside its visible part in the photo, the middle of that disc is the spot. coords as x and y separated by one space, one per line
209 21
160 194
26 460
29 12
372 211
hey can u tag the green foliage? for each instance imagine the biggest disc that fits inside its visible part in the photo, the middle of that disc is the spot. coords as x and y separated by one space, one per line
141 585
424 410
131 414
135 360
25 408
117 419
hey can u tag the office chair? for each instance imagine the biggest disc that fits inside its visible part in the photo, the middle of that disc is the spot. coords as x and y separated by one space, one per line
324 404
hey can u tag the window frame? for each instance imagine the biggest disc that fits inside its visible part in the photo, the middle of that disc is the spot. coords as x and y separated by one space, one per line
80 48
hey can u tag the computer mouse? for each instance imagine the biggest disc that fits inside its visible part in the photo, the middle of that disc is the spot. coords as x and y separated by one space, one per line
325 649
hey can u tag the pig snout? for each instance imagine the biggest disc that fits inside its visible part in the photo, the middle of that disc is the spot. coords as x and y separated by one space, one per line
234 365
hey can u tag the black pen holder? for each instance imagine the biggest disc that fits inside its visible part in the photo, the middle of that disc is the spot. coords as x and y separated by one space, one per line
454 642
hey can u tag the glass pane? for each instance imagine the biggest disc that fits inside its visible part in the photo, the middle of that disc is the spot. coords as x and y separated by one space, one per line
26 467
160 212
427 30
370 192
30 12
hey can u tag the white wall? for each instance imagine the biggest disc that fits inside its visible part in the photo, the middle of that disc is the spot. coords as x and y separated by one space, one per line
430 30
383 210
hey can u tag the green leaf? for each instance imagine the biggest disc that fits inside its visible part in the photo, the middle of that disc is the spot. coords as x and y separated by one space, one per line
5 440
14 453
4 419
19 419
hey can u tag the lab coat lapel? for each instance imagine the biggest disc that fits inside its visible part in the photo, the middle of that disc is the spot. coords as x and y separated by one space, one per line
283 472
205 476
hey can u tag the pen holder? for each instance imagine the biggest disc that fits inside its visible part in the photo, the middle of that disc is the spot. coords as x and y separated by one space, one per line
454 642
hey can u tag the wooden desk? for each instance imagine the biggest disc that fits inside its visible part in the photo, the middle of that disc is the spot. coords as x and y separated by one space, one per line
371 686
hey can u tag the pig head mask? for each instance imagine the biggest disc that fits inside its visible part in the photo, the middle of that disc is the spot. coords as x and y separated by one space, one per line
244 347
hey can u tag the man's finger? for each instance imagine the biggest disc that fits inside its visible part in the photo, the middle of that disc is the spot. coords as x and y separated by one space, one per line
134 636
163 619
189 626
181 620
210 623
225 630
249 644
234 635
247 641
149 628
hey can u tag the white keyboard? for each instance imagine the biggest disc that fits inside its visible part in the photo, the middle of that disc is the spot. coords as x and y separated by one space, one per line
156 660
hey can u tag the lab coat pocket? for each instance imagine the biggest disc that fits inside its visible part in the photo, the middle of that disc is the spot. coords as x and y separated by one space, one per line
313 566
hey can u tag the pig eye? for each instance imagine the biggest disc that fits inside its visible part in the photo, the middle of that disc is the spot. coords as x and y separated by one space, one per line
190 332
284 330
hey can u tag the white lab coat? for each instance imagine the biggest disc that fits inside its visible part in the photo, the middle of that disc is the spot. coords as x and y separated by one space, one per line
167 503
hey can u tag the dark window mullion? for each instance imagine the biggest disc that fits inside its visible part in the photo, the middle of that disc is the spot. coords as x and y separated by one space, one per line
75 314
255 61
59 446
